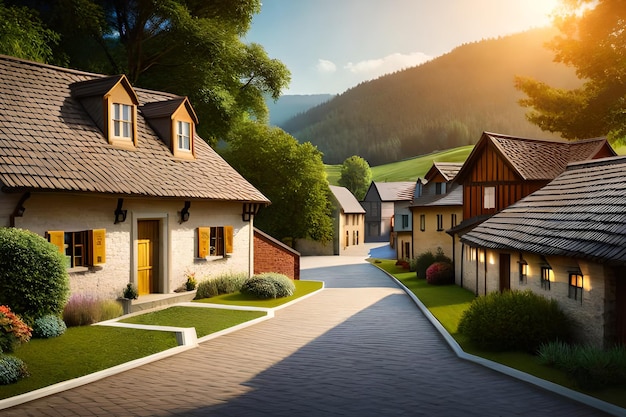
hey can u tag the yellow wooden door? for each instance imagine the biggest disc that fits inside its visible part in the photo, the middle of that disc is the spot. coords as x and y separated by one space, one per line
144 266
148 256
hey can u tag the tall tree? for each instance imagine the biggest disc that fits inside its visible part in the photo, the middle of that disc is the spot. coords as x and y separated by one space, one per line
592 40
356 176
290 174
192 48
23 35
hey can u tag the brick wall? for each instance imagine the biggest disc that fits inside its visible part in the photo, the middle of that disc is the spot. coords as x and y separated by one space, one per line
271 255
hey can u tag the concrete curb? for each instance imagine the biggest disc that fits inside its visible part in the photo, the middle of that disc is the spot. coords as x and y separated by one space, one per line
185 336
541 383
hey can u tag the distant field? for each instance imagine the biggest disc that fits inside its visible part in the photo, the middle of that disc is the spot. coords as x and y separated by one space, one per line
408 169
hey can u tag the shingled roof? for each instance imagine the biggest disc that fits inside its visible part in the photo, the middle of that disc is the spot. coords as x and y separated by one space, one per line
48 142
536 159
580 214
347 201
447 169
395 191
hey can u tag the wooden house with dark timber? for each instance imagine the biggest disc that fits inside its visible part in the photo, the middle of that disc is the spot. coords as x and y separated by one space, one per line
500 171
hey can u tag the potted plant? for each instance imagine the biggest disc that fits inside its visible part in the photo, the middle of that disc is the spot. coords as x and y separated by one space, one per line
128 295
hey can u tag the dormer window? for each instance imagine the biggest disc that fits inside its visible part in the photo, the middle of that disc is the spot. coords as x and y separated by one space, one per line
112 104
183 134
122 121
174 121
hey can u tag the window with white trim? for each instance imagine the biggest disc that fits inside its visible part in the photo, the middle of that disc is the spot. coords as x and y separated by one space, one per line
183 135
122 119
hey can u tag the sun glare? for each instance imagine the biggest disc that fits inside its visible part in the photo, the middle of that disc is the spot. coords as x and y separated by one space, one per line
543 9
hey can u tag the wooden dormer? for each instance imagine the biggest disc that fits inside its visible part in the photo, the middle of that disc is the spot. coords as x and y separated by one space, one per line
112 104
175 122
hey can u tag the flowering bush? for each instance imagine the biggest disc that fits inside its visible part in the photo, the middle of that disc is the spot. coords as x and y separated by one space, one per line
191 283
440 273
13 331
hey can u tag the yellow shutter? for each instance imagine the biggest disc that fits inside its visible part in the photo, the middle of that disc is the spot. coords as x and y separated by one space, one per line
97 245
204 242
228 239
57 238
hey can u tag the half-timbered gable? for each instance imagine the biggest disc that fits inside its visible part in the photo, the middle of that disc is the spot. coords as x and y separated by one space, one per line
503 169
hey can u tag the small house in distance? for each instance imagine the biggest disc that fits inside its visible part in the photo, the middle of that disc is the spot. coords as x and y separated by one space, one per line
379 204
349 222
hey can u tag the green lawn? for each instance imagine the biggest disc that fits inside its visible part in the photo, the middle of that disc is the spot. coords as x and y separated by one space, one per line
448 302
82 351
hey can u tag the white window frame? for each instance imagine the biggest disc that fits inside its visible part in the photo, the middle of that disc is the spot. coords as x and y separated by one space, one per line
489 201
122 121
183 137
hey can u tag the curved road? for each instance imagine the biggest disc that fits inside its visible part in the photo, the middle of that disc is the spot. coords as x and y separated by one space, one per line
358 348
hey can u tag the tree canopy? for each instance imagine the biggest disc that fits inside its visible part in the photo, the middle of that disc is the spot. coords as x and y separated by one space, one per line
191 48
592 39
290 174
356 176
23 35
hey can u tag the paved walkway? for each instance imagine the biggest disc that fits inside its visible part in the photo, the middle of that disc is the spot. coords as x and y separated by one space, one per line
358 348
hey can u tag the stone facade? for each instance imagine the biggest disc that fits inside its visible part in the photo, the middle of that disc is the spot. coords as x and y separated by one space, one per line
481 275
178 241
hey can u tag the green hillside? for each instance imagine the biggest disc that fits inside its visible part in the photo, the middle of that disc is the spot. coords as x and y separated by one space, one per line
408 169
442 104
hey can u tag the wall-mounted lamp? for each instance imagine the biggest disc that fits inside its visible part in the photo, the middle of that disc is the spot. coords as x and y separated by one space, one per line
249 210
184 213
523 269
120 215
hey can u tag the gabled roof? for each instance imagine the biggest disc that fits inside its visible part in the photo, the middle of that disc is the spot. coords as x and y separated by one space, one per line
48 142
536 159
347 201
395 191
101 86
580 214
454 197
157 109
448 170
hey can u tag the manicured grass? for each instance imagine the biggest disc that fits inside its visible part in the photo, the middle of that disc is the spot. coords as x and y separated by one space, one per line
448 302
205 320
302 288
81 351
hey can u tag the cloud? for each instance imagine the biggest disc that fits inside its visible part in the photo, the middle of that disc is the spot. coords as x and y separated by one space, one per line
325 66
388 64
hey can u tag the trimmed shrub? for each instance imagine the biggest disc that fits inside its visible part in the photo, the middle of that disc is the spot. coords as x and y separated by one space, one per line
514 320
422 262
83 310
13 331
48 326
590 368
268 285
33 278
12 369
440 273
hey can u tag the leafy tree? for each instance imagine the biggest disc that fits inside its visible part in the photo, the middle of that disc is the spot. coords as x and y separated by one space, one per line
23 35
592 39
356 176
290 174
188 47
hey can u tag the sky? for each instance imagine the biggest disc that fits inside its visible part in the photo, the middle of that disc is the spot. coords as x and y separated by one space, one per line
332 45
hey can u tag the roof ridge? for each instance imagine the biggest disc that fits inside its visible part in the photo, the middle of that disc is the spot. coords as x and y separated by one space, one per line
52 67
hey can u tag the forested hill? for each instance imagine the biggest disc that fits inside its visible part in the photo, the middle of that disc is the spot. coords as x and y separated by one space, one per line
288 106
444 103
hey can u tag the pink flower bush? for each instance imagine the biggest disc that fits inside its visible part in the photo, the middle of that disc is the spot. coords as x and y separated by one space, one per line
13 331
440 273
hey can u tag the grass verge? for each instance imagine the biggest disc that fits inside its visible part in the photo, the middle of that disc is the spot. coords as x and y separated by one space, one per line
205 320
81 351
302 288
448 302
